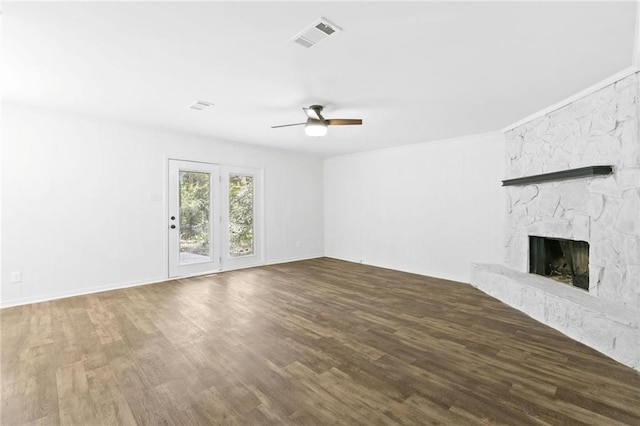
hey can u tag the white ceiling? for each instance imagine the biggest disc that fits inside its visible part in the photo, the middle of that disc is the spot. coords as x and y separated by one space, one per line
414 72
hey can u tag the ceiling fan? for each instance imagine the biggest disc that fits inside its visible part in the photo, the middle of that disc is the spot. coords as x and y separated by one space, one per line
316 124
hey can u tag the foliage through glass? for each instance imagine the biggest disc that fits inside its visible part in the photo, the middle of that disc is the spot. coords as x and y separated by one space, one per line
241 215
195 195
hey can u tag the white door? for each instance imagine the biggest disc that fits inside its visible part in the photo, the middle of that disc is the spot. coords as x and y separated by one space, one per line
194 218
241 217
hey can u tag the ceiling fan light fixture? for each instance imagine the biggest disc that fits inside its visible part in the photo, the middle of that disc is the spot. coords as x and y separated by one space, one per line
317 125
316 128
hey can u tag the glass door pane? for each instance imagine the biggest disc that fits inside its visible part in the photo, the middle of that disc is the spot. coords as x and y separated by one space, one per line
195 196
241 215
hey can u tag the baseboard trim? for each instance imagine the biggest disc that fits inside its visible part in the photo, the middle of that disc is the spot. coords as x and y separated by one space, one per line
294 259
81 292
408 271
99 289
271 262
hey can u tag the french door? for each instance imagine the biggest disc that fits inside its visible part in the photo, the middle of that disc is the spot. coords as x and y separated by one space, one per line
214 218
194 208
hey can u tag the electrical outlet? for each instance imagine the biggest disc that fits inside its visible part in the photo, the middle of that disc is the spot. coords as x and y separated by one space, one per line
16 277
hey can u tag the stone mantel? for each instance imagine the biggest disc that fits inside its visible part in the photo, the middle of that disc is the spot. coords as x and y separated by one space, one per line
560 175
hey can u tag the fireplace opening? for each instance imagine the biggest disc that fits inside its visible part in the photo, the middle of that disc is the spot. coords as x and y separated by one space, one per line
566 261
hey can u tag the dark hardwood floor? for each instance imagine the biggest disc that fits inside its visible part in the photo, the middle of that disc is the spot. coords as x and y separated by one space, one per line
311 343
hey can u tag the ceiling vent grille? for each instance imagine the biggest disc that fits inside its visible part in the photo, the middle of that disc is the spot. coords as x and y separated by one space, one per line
315 33
200 105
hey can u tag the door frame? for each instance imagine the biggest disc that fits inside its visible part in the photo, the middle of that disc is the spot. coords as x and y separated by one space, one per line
257 258
220 218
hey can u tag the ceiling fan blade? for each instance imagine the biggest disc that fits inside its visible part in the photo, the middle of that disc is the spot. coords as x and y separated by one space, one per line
343 121
312 113
288 125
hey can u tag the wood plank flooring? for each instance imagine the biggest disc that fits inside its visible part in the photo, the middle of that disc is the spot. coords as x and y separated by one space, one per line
305 343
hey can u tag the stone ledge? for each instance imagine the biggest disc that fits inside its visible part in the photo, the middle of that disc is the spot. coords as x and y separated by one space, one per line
611 328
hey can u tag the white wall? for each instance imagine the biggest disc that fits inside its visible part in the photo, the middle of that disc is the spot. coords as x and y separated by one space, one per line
77 210
430 209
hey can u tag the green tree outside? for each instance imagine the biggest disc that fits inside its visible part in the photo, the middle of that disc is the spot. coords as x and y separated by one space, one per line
240 215
195 193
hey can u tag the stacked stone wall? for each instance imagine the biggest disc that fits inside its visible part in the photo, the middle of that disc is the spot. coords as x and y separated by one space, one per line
599 129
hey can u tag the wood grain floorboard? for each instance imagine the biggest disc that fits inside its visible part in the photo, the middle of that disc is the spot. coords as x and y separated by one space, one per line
305 343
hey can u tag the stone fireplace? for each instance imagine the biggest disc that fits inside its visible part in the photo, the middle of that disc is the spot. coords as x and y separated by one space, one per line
572 242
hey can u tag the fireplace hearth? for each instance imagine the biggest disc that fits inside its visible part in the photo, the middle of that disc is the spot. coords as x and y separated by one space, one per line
566 261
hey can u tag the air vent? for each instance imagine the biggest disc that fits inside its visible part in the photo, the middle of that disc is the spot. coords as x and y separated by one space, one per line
200 105
315 33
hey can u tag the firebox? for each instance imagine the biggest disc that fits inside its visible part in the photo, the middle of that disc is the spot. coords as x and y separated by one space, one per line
566 261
